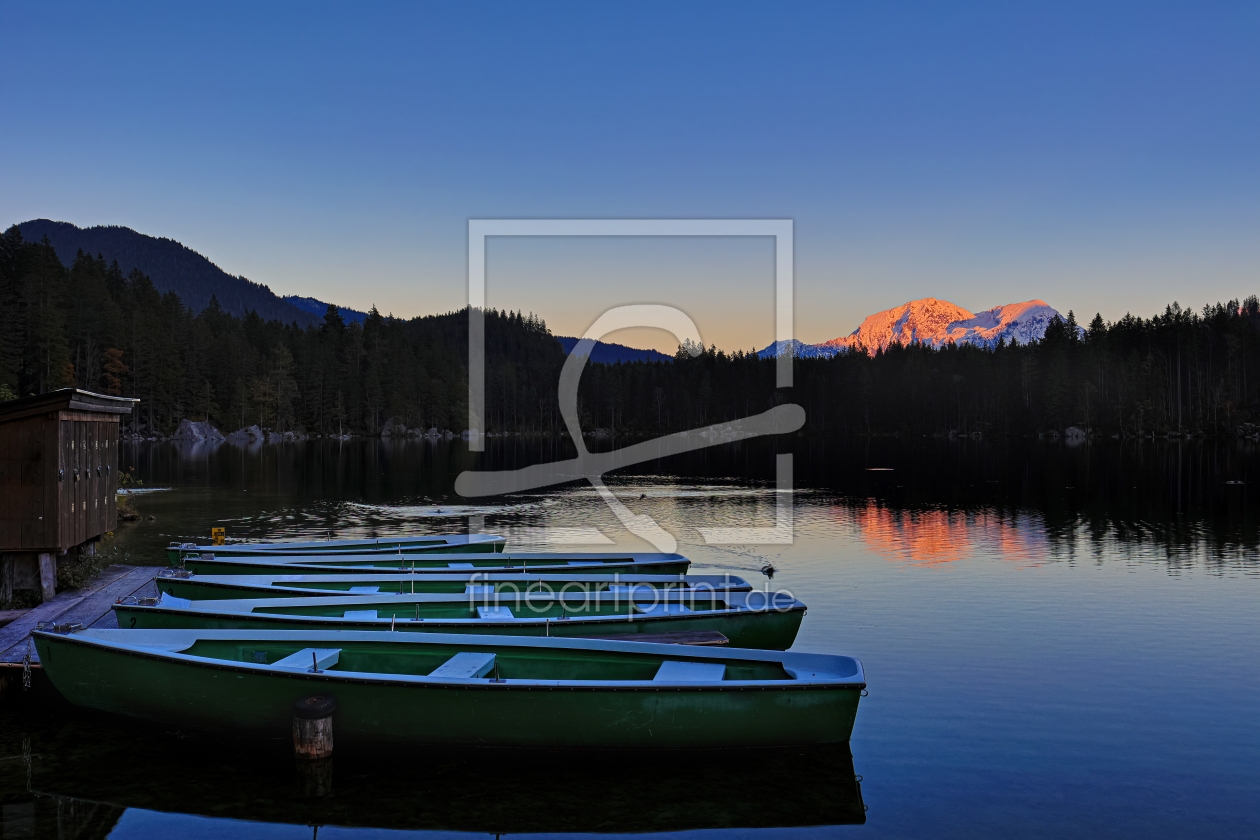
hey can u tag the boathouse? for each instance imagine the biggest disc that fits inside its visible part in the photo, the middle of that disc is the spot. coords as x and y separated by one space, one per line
58 480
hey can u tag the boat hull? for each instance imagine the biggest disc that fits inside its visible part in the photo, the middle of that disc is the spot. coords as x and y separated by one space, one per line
473 544
243 699
669 564
212 587
766 629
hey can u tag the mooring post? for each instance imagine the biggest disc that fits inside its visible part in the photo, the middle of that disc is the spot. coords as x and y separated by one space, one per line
47 575
312 727
8 568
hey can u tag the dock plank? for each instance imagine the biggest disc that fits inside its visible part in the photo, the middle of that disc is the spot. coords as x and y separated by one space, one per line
89 606
9 615
141 586
98 606
13 635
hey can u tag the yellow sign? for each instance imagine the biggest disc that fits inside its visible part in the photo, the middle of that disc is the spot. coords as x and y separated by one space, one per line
216 536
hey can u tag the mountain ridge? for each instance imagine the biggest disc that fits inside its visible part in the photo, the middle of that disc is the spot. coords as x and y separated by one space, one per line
608 353
171 265
315 306
174 267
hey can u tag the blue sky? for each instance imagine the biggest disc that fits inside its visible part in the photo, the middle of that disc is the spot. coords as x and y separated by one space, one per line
1101 156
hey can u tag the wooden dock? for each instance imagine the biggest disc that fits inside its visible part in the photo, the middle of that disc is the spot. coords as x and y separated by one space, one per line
89 606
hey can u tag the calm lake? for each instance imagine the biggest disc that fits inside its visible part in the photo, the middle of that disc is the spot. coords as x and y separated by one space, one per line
1060 640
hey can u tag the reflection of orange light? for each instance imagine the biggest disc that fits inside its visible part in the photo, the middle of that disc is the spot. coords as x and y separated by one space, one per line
937 537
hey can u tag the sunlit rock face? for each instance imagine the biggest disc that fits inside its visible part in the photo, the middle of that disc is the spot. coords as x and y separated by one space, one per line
922 321
934 323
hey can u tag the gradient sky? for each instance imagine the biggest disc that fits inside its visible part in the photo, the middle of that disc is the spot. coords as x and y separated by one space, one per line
1100 156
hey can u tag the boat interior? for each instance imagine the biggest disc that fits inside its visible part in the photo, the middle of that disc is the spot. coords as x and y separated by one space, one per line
467 561
499 608
464 661
490 605
254 586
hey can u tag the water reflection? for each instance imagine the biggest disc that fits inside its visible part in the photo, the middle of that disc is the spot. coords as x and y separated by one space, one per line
940 537
85 777
1004 703
1181 502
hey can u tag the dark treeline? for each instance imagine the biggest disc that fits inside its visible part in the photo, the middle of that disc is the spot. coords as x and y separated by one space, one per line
89 326
1179 372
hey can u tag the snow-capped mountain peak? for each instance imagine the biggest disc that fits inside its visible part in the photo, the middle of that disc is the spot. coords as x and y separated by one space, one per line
934 323
798 348
917 321
1019 322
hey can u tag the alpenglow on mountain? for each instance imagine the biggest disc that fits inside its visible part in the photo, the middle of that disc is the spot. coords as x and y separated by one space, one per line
934 323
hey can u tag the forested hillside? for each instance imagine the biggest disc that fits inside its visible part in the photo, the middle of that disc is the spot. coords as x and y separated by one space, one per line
172 266
318 307
92 326
607 352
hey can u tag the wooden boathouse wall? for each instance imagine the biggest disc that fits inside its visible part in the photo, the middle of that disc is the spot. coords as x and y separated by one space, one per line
58 481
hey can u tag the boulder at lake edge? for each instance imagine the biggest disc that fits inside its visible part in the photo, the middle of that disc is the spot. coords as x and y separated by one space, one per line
191 431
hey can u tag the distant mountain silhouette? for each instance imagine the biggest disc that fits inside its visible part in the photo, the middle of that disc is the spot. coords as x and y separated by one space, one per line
318 307
608 354
171 266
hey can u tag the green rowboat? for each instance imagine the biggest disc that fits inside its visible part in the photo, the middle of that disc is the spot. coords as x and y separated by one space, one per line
183 584
450 544
392 564
755 619
404 689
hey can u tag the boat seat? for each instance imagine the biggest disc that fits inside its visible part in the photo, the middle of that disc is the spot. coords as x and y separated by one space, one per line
360 614
494 612
464 666
460 566
661 609
366 589
323 658
171 601
690 672
479 589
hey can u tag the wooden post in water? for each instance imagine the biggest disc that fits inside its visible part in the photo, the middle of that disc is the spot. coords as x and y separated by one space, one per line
47 576
312 727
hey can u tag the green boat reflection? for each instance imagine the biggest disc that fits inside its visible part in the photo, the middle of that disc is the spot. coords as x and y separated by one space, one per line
73 794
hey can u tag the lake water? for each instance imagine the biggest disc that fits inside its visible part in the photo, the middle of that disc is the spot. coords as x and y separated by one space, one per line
1058 640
